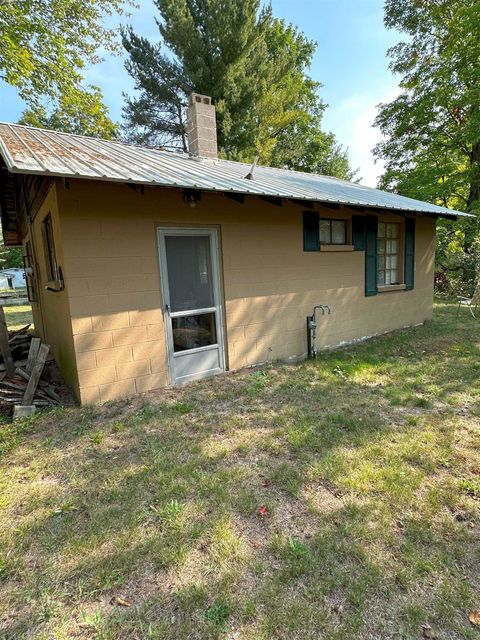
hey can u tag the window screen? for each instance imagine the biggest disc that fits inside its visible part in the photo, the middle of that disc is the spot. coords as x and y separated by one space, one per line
333 231
190 278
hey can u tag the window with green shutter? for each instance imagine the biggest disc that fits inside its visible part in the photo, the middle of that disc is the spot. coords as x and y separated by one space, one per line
409 268
311 231
371 229
358 233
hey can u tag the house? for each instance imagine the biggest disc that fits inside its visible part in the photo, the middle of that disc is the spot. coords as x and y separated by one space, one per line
15 277
147 268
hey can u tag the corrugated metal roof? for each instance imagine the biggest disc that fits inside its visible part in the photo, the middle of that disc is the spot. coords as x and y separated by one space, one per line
38 151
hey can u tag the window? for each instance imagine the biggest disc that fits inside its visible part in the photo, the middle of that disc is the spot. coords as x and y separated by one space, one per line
388 253
333 231
49 248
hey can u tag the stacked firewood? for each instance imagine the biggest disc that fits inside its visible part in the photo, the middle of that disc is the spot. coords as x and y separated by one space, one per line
21 367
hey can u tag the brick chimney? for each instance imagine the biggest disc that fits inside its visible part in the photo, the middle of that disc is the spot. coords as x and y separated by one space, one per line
201 126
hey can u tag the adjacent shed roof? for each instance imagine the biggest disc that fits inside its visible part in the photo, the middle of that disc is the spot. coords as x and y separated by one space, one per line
38 151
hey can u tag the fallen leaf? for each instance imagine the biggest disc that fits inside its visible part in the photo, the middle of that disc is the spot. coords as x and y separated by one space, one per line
474 617
262 511
121 602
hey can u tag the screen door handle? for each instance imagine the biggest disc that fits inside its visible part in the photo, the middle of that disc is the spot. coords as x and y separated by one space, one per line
167 308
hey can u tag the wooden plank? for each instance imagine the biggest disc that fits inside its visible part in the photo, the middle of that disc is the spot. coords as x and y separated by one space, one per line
23 374
5 347
17 333
35 374
47 389
41 395
18 363
11 385
32 354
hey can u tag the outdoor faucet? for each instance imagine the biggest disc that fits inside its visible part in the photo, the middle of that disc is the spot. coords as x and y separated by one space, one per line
312 328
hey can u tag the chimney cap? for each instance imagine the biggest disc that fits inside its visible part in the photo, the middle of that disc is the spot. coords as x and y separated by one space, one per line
199 98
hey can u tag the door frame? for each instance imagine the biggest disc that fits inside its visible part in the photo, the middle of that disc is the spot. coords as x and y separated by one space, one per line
212 233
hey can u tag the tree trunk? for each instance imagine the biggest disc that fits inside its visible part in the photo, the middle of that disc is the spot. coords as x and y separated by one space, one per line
474 194
471 228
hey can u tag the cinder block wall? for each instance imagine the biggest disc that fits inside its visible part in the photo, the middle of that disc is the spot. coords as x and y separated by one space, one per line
269 283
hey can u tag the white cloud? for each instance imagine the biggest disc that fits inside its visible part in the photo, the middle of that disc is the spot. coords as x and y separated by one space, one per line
352 122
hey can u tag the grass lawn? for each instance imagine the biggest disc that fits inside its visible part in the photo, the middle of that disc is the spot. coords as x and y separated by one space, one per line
336 499
18 316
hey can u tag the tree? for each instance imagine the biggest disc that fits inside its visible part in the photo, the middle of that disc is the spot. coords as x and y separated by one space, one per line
157 117
252 64
80 111
45 45
432 129
10 256
304 146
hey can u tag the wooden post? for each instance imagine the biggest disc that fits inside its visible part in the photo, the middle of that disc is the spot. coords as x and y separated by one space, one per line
5 347
35 375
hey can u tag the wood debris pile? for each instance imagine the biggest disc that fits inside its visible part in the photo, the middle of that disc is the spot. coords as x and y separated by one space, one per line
21 366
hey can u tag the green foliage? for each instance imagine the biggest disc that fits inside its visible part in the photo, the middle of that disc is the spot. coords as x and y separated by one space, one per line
218 615
252 64
78 111
10 257
44 47
13 257
432 129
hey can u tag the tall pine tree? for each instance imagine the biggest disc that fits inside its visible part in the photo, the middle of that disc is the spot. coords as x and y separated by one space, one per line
252 64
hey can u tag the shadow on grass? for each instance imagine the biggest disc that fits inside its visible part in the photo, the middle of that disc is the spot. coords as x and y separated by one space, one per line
157 501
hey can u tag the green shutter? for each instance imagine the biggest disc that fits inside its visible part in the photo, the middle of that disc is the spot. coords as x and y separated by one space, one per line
358 233
371 226
311 231
409 253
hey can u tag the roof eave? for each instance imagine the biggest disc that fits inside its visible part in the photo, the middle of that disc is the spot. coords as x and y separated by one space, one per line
453 215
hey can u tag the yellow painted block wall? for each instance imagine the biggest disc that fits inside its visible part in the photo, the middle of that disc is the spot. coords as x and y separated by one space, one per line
51 313
269 283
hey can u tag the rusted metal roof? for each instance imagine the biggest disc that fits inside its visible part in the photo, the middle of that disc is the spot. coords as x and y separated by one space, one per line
29 150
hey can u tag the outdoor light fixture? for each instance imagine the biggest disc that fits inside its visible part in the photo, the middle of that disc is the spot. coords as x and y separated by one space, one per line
191 197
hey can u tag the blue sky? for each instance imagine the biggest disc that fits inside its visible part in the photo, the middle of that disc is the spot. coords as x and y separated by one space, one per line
350 62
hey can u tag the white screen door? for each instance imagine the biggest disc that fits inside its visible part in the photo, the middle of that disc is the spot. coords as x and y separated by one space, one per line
192 302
